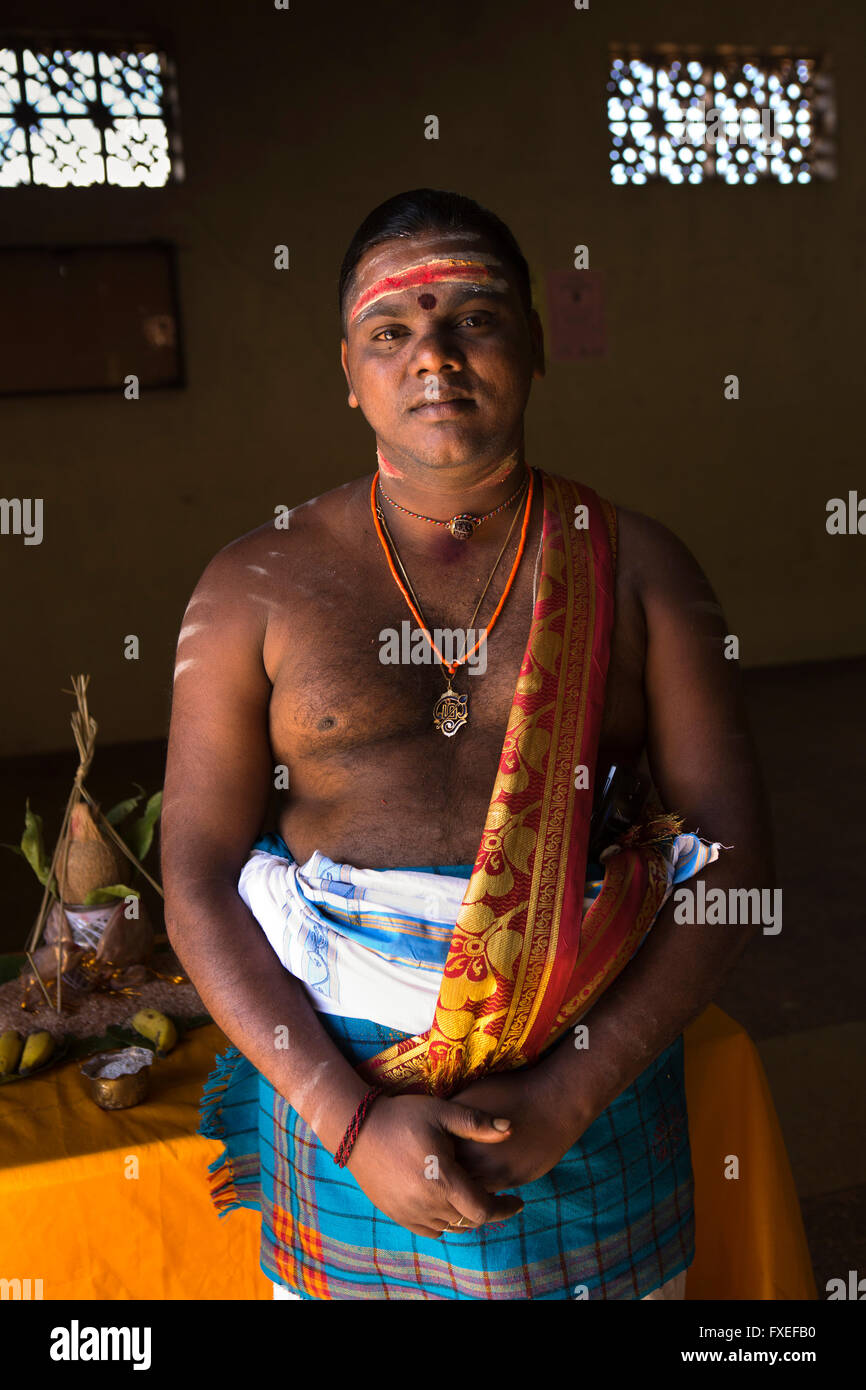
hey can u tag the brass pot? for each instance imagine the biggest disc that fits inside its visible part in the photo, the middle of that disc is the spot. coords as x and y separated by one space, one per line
118 1092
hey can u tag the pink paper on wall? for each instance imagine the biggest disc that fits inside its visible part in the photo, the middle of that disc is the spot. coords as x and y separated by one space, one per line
575 300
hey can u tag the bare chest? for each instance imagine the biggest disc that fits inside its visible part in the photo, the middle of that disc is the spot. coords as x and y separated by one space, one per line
355 683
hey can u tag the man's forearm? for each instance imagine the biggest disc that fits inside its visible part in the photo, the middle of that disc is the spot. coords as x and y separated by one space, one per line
261 1006
673 977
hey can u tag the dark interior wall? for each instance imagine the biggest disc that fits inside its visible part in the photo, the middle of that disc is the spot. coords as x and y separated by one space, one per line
295 124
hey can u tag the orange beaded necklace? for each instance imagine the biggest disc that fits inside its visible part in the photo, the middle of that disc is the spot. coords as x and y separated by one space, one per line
451 710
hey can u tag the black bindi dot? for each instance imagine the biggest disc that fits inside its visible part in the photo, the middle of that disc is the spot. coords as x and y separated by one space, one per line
327 723
427 301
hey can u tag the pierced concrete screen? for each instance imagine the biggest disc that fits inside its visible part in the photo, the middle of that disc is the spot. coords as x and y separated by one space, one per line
80 116
684 117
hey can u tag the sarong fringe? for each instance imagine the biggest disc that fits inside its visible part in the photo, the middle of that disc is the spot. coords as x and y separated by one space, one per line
210 1110
222 1178
223 1189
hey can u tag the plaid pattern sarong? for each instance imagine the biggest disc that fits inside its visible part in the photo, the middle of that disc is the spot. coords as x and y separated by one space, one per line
614 1219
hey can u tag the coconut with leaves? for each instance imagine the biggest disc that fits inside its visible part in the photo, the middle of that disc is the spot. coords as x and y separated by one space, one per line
95 923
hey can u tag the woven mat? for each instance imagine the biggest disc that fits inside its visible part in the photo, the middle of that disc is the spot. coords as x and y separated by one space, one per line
96 1011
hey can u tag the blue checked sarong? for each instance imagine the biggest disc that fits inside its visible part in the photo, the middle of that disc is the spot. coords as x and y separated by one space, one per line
613 1220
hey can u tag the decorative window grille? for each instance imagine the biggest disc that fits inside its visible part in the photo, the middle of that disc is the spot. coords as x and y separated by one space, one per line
685 117
87 114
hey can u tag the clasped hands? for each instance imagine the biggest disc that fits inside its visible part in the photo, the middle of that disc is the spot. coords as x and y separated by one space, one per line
441 1166
542 1129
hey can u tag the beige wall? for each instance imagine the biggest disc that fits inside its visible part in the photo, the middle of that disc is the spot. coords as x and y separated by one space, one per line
295 125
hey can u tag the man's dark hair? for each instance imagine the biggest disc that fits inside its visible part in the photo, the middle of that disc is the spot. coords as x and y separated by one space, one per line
431 209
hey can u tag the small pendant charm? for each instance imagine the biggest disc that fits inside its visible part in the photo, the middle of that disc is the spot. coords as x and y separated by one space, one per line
462 527
450 712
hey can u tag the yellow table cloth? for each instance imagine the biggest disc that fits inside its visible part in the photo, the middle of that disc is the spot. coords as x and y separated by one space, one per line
115 1204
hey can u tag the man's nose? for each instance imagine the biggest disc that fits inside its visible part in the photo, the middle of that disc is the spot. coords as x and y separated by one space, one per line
437 351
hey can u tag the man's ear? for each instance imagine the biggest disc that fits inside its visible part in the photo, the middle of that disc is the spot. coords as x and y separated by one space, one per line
536 333
344 358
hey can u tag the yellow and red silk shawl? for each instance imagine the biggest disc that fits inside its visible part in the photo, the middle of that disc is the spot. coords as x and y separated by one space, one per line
522 966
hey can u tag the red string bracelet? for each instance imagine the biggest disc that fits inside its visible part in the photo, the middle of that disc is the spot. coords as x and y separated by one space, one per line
347 1143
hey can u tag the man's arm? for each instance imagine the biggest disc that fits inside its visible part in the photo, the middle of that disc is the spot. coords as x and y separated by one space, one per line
218 778
704 766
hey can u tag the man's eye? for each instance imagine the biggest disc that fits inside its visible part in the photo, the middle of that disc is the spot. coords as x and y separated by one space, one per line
388 335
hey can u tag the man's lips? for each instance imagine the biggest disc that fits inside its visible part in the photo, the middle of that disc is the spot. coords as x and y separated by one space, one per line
443 407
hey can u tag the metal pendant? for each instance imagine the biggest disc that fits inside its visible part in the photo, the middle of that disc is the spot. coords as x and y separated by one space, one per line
462 527
450 712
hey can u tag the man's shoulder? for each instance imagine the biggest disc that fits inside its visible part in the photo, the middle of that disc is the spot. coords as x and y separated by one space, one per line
290 538
657 562
641 532
645 537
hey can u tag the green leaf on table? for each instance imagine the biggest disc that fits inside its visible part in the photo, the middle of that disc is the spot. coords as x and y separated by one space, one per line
111 891
129 1037
140 834
122 809
16 849
33 845
11 965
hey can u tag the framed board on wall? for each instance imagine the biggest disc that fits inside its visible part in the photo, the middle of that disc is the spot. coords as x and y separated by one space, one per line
85 318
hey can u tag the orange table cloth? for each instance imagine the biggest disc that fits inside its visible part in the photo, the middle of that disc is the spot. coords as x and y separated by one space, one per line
115 1204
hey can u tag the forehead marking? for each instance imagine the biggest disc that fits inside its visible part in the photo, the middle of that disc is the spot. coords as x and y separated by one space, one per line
387 252
448 269
427 301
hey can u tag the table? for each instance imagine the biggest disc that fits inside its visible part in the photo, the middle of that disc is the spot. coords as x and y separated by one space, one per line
115 1204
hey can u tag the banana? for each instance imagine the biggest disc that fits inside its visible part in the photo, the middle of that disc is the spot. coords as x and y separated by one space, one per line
10 1051
150 1023
38 1047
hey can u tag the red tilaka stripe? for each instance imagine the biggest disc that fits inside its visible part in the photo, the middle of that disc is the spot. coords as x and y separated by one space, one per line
422 275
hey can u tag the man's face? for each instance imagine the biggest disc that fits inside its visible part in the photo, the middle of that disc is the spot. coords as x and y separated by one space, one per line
438 353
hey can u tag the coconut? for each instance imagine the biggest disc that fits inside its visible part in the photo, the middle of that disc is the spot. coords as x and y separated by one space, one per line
88 860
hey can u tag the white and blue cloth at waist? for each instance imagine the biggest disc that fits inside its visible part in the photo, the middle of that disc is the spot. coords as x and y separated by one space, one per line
372 943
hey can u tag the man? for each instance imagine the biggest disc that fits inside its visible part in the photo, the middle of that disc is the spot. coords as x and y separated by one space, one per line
505 1153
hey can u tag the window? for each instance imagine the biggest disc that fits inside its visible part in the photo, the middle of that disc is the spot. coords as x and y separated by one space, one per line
685 117
87 115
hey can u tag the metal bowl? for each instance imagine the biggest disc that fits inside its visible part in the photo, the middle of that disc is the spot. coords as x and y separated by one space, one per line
118 1092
